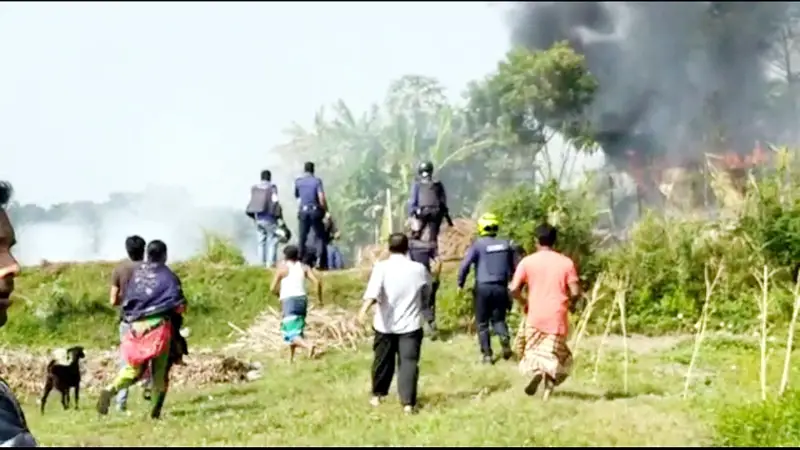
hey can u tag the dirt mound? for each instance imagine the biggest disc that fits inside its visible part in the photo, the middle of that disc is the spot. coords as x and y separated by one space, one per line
327 327
453 243
25 371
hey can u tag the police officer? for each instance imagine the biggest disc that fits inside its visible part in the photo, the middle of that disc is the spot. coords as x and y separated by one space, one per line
423 252
427 203
495 260
313 210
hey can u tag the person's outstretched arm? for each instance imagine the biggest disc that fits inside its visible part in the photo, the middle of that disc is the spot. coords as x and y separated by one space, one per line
276 279
520 279
469 259
372 293
317 282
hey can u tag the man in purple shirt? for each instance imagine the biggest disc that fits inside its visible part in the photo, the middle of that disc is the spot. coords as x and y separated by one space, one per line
313 210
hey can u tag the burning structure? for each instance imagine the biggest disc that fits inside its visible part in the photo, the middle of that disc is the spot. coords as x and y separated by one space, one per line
683 87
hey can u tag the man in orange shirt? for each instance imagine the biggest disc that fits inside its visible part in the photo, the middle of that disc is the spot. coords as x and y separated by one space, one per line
552 282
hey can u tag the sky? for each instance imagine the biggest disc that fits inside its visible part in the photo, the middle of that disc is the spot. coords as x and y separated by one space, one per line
104 97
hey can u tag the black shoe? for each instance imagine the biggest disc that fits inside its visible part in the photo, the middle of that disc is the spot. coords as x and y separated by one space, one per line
104 402
487 359
147 393
507 353
533 386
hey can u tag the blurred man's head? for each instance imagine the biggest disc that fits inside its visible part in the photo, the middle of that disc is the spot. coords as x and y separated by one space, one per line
291 253
157 252
135 245
398 244
308 167
546 235
8 265
266 175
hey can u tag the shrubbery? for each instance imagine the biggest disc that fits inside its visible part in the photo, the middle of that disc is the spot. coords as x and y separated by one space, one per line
664 260
771 423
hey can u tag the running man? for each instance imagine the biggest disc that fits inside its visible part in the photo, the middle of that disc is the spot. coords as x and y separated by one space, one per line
552 283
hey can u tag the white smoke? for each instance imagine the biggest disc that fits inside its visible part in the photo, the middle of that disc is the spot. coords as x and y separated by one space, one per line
169 214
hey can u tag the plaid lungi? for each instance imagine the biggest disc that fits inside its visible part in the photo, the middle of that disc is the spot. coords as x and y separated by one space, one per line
544 353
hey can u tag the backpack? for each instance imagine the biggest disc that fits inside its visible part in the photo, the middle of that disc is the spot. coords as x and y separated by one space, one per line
261 201
429 194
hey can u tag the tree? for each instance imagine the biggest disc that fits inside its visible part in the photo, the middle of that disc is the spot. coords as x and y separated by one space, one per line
363 157
533 96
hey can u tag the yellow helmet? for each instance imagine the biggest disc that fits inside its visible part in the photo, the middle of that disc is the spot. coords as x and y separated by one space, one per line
488 224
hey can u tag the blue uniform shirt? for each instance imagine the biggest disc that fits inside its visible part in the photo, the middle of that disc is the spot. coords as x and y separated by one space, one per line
306 188
495 260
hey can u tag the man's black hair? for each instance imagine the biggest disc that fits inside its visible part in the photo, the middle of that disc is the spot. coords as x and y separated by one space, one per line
266 175
291 252
546 235
398 243
157 251
135 245
309 167
5 193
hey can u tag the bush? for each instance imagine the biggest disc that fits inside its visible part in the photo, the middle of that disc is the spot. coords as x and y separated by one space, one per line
665 260
523 208
773 423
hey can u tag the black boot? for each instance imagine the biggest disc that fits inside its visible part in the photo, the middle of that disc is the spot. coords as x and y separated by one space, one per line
155 413
507 352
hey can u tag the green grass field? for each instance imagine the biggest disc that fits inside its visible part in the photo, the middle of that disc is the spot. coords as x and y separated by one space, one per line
325 401
463 403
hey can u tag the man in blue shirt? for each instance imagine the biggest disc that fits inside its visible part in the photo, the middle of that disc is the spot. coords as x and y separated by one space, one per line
495 260
313 210
427 204
264 209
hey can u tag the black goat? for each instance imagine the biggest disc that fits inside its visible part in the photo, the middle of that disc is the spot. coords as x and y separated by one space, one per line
62 378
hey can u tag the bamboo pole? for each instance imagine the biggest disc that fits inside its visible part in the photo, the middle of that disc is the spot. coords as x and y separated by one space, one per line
701 330
790 340
583 322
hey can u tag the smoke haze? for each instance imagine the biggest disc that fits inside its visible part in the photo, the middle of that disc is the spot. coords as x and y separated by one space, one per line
660 65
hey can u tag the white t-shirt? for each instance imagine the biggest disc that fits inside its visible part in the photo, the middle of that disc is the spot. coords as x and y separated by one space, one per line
399 285
294 283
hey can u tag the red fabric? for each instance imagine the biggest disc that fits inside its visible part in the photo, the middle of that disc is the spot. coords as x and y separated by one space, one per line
138 350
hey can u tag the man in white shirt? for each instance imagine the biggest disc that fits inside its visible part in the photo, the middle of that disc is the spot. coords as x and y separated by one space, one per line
398 286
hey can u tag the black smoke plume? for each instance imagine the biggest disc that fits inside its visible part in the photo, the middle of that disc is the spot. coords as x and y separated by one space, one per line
669 73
